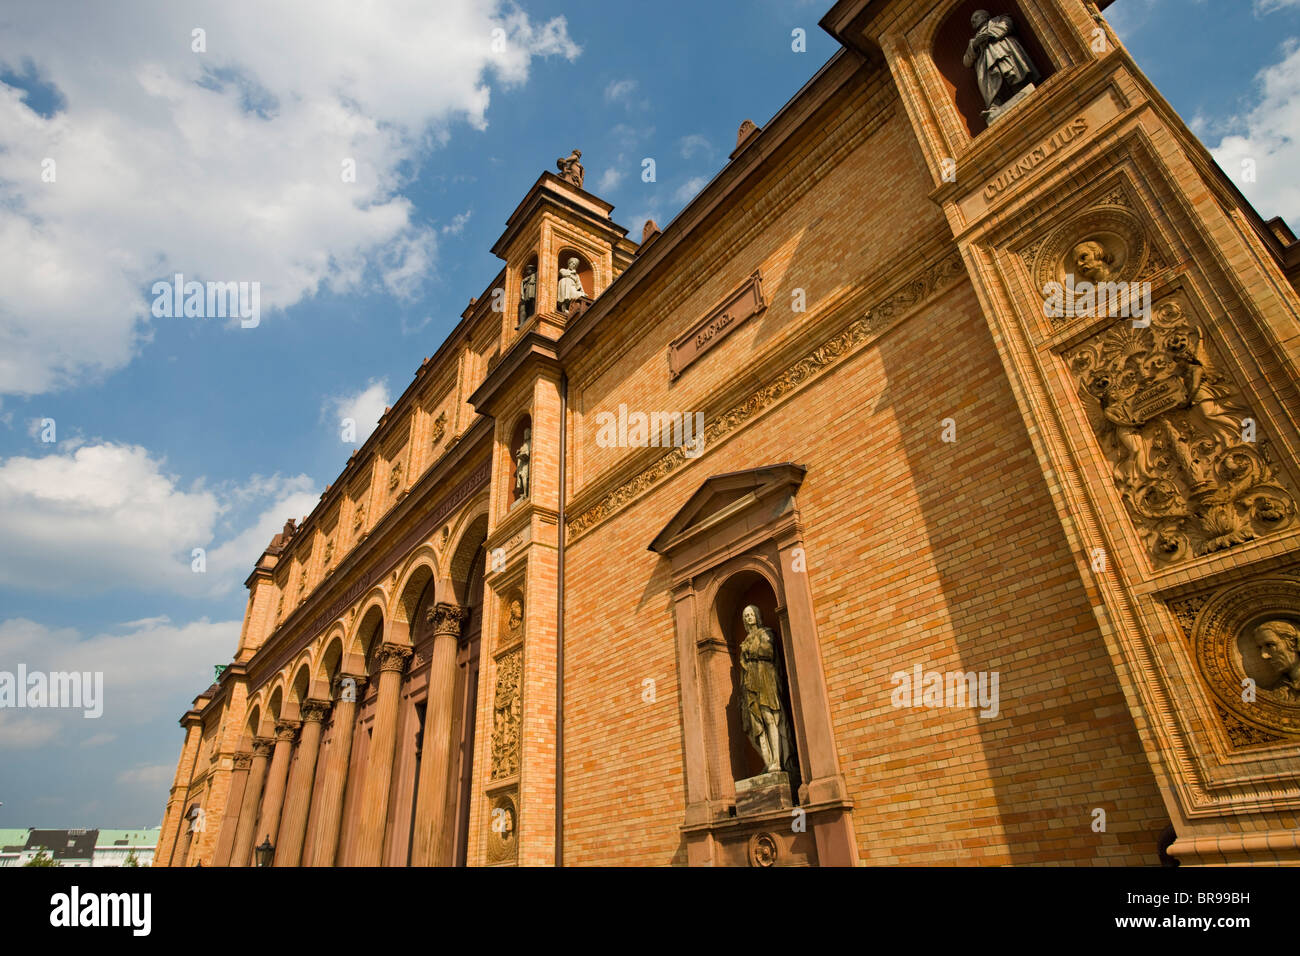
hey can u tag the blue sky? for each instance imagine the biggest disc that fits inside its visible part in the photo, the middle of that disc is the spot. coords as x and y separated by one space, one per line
224 164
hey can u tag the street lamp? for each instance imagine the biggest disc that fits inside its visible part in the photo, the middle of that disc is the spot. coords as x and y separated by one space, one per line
265 852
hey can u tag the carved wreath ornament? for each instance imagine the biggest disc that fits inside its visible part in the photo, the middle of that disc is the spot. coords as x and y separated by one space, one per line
1181 445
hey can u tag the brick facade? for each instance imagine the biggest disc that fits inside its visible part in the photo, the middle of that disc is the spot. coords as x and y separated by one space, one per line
903 466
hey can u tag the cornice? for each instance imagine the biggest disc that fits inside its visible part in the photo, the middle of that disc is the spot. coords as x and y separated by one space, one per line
731 178
529 352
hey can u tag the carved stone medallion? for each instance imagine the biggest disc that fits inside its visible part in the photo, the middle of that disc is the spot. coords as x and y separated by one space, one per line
762 850
503 829
1104 245
1183 448
1247 645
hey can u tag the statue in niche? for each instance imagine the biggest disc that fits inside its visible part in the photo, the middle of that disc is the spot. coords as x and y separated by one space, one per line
527 294
523 454
570 168
1002 67
570 290
762 716
1092 262
1277 644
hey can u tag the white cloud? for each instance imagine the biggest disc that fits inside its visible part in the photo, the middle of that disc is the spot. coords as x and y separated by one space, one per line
687 190
1268 6
457 224
363 408
106 515
620 91
225 164
609 179
695 144
1264 152
145 672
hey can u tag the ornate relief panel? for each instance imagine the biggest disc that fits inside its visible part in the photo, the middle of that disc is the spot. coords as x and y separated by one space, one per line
507 715
1182 445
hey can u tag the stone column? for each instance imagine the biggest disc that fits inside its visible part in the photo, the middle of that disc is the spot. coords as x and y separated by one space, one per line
297 800
273 800
391 660
244 833
327 812
235 803
436 756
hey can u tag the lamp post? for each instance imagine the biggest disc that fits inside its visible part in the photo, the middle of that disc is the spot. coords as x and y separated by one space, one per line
265 852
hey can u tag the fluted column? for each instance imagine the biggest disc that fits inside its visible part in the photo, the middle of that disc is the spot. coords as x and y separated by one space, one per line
302 779
235 801
391 660
436 756
244 832
273 800
327 812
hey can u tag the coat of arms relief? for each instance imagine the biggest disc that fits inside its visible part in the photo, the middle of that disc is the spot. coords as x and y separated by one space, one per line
1183 448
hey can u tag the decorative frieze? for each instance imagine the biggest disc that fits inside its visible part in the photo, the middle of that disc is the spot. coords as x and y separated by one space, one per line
861 330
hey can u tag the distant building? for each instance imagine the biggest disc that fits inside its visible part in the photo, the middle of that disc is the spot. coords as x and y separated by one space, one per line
78 847
114 846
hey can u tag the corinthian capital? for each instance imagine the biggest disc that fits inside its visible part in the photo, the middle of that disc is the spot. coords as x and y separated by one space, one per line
262 746
286 730
392 657
314 710
447 619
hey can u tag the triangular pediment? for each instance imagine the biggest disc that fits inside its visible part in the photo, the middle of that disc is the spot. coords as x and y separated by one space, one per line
725 498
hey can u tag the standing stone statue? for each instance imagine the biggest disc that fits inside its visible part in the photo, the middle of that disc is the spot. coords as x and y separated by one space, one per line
523 454
570 168
762 716
527 293
570 285
1002 67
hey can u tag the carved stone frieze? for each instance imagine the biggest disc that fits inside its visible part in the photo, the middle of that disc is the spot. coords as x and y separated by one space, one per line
1247 645
507 715
1178 438
861 330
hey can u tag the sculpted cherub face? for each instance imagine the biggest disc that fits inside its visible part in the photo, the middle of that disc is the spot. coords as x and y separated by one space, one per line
1278 645
1091 261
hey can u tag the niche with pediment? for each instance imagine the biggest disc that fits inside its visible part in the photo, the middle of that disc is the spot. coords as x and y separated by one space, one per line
737 544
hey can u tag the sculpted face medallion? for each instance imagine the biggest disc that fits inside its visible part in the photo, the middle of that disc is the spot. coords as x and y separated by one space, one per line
1106 245
1247 644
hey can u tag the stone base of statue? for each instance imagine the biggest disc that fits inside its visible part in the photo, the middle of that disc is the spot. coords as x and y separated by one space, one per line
767 791
992 114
